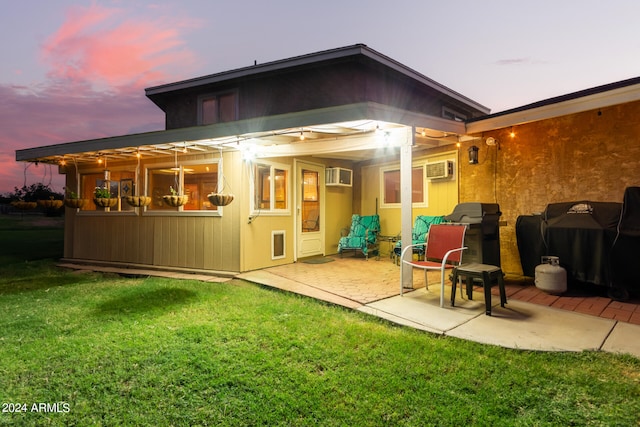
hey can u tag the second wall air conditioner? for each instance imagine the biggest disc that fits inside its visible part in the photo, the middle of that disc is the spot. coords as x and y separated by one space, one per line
338 176
439 170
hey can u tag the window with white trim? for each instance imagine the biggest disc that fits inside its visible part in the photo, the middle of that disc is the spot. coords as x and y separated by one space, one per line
270 188
118 183
390 187
196 180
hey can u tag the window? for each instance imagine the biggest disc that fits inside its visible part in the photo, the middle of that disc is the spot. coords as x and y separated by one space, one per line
217 108
119 183
196 180
390 185
271 188
450 114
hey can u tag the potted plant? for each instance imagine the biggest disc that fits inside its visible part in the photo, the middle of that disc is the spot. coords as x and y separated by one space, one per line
174 199
102 198
73 201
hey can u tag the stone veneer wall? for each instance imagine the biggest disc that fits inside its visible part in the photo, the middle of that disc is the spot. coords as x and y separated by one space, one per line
592 155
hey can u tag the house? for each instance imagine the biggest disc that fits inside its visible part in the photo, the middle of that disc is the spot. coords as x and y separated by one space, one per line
304 143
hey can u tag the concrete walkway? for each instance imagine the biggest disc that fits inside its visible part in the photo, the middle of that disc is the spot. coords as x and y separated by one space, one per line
518 325
372 287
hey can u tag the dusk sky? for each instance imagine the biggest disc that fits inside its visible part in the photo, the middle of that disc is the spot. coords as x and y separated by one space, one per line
75 69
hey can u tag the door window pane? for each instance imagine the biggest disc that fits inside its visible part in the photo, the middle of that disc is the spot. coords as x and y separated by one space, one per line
310 201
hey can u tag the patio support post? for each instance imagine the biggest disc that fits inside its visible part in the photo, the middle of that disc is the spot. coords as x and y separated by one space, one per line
405 205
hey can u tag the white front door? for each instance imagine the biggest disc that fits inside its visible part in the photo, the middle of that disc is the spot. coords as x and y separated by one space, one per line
309 209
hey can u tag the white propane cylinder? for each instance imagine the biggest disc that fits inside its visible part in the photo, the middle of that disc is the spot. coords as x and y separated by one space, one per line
550 277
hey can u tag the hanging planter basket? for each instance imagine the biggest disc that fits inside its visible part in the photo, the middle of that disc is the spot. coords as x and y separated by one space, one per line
75 203
50 204
24 206
219 199
175 200
138 201
103 202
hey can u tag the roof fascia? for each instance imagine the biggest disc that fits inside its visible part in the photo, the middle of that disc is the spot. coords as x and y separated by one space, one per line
421 78
360 111
257 69
313 58
562 108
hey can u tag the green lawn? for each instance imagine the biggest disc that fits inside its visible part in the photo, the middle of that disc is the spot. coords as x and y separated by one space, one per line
108 350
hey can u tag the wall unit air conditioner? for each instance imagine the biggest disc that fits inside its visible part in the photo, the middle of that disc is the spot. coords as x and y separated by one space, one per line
338 176
439 170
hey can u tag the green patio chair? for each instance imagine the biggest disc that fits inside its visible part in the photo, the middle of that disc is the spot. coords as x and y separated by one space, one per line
419 234
363 235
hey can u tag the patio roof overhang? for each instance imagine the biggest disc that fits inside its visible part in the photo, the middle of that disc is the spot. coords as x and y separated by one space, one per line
335 132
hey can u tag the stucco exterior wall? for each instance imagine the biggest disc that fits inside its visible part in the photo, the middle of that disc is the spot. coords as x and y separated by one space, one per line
592 155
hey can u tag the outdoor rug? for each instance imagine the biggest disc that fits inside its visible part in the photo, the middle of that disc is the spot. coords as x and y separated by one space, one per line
319 260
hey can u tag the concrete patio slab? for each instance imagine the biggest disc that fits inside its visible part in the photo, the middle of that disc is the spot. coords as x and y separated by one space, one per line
527 326
422 307
625 338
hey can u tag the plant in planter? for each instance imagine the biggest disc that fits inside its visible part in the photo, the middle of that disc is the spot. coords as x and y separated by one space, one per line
175 199
102 198
73 201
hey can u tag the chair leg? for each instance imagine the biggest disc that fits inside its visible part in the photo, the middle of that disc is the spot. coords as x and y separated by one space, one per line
503 292
454 282
442 274
426 282
486 284
469 286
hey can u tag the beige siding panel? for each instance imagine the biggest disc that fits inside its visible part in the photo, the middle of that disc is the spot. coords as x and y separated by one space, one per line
442 195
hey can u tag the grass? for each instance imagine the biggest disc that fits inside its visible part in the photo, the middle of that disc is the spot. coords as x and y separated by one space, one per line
149 351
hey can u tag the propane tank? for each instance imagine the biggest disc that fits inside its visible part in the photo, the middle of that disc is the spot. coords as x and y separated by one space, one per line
550 277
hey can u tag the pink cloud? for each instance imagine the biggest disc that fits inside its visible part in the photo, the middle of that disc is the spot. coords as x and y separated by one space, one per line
98 62
94 44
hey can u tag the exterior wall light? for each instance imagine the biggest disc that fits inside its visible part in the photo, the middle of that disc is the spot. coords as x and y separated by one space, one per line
473 155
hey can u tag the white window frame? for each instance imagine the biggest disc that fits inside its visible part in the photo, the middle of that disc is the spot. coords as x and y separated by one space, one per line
425 188
186 163
272 211
119 211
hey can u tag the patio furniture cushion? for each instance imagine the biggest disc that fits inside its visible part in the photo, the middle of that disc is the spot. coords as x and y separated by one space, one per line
363 234
419 233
